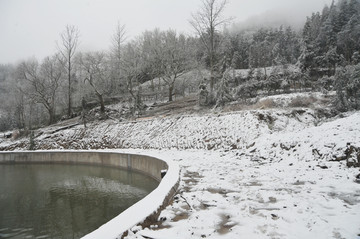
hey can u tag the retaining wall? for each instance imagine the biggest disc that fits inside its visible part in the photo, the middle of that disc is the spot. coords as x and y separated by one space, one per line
140 212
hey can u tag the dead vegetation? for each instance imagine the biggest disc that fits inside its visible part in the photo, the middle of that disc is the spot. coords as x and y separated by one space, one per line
351 155
225 225
301 101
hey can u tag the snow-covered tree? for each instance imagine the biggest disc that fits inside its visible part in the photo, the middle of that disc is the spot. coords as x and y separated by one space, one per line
117 44
309 48
133 70
223 93
67 48
206 22
347 85
348 39
96 68
41 81
173 58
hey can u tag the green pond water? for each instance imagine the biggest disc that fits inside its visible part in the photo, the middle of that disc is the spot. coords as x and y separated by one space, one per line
64 201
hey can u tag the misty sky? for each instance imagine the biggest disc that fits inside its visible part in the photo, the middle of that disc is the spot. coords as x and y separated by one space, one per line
32 27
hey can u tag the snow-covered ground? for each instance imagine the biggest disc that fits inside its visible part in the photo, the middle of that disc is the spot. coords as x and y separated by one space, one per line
249 174
226 196
284 101
267 191
244 73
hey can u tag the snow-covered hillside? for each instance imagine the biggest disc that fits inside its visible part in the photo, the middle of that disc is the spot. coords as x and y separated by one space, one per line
226 130
212 131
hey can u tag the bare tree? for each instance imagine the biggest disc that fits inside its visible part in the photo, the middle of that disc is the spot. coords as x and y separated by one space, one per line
12 108
206 23
42 82
67 48
150 41
117 41
132 65
95 65
172 58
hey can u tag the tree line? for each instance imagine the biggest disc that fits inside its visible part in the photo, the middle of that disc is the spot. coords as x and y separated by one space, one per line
38 92
331 38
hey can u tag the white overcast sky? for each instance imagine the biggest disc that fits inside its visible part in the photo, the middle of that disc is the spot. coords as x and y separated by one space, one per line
31 27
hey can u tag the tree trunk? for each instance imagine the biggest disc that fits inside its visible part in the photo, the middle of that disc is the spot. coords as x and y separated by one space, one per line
69 89
101 100
30 115
21 113
212 78
171 89
152 86
51 116
265 75
212 53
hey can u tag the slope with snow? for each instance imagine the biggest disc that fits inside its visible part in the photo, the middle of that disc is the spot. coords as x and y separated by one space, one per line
213 131
270 192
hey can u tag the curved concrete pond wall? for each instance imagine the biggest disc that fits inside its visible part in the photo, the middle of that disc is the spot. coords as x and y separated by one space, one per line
140 212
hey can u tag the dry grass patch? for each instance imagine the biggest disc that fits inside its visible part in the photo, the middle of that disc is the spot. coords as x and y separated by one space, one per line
303 101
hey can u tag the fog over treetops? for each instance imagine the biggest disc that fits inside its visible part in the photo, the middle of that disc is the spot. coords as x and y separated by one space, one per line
30 28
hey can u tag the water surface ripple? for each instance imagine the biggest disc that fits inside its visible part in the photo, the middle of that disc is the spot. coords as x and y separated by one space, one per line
64 201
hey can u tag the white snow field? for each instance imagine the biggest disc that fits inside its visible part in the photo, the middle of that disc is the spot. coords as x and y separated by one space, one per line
267 191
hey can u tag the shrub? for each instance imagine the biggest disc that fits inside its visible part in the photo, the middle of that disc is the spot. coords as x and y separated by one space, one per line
248 90
265 104
347 85
302 101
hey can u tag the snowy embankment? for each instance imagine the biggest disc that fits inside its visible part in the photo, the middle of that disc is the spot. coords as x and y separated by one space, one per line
186 132
225 131
213 131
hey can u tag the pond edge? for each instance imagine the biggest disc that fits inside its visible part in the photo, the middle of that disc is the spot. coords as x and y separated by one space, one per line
144 211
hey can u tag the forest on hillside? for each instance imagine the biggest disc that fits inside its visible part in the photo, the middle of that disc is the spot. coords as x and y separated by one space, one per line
219 64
